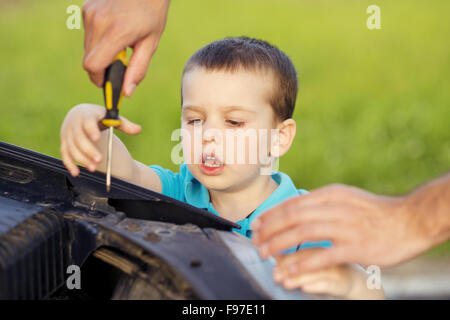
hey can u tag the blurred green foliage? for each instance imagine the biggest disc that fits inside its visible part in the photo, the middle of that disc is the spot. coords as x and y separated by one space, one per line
373 107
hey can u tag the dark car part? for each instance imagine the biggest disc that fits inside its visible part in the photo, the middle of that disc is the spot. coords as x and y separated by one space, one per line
131 243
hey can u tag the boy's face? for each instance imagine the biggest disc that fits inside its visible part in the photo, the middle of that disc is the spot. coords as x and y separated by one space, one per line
228 120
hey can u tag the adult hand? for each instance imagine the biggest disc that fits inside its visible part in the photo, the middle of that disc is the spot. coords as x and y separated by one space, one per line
364 228
112 25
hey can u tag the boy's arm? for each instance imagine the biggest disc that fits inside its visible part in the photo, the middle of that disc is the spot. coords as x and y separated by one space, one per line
123 166
85 140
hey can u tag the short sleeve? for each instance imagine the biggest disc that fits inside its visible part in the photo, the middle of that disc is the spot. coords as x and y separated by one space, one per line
172 183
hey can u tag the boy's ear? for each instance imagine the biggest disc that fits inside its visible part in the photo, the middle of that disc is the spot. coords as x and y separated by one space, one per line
283 141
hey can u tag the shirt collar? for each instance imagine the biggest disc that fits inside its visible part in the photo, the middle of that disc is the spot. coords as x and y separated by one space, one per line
285 190
197 195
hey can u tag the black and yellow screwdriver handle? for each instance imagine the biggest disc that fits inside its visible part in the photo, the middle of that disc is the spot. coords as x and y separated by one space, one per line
112 89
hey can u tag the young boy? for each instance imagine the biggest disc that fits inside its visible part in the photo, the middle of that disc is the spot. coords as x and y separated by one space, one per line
232 89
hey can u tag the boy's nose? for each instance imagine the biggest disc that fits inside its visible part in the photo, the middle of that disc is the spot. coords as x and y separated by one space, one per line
211 134
209 137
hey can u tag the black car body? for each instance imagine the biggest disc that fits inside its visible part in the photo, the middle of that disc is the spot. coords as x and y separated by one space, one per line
130 243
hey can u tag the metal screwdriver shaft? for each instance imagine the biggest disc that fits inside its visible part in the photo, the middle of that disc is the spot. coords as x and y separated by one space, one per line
108 159
112 90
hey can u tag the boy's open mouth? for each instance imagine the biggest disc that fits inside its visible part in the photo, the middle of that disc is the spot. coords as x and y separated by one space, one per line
211 165
209 160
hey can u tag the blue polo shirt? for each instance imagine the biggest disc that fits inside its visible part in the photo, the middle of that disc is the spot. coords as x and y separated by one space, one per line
183 186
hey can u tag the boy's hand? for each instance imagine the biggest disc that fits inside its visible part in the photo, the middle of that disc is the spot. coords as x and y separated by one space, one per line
344 281
81 134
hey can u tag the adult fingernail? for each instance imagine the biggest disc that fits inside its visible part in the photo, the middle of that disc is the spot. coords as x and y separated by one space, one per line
98 158
131 89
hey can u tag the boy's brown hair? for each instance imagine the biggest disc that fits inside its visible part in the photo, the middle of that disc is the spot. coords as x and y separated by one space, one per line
231 54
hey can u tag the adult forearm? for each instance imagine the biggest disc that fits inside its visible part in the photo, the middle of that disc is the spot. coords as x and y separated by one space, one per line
429 206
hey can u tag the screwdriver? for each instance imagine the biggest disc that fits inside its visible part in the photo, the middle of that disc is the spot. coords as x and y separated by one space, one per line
112 91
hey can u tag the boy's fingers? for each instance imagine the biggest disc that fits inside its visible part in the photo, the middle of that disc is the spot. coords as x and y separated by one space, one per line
129 127
81 158
77 154
139 62
68 160
90 127
307 280
304 279
86 147
321 286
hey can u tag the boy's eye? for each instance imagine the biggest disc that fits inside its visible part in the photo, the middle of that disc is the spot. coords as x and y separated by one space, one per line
194 121
235 123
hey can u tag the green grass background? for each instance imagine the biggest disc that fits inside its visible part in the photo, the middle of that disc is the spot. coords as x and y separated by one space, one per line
373 107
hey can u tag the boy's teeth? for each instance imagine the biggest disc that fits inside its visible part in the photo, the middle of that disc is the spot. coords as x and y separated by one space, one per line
211 162
212 165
